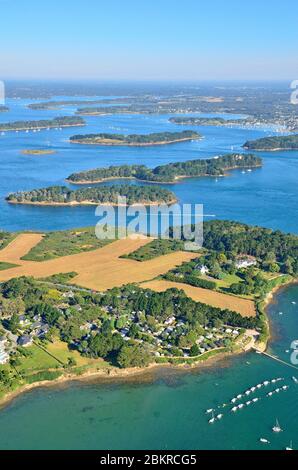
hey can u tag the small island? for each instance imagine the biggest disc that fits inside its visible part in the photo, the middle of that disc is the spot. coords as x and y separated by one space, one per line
38 152
272 144
136 140
206 121
171 172
104 195
106 110
58 122
3 109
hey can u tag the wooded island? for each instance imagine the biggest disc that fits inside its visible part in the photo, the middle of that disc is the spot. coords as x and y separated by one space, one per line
61 195
171 172
58 122
287 142
138 140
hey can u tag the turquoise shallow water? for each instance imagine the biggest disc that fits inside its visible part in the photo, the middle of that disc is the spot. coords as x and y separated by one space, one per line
165 411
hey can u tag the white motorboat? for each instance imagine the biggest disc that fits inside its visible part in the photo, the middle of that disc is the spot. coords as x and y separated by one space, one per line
264 441
277 427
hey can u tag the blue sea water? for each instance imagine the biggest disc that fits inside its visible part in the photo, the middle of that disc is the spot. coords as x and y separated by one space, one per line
165 410
266 196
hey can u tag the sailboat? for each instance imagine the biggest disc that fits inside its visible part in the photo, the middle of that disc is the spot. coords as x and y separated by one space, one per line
212 420
295 380
277 427
291 446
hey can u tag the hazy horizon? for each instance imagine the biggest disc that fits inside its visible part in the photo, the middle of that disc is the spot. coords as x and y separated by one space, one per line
156 41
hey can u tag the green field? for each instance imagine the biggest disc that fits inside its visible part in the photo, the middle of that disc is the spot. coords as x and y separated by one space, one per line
63 243
37 360
155 249
4 266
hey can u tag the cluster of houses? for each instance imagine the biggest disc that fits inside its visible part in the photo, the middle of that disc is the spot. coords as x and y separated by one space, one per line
31 329
162 339
28 331
242 262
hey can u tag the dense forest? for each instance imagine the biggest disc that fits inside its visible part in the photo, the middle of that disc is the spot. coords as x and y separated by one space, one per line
287 142
64 121
270 248
97 195
205 121
134 139
265 244
161 305
168 173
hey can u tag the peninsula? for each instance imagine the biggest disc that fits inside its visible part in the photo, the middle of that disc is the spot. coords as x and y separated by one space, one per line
287 142
206 121
58 122
105 195
136 140
171 172
65 318
106 110
52 105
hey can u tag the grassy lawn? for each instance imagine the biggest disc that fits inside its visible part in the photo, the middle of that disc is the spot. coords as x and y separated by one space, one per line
60 350
4 266
39 360
63 243
226 282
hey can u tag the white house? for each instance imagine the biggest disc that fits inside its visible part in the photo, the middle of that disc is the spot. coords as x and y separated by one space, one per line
203 269
243 263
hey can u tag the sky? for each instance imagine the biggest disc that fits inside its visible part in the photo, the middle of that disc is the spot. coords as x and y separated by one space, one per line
149 39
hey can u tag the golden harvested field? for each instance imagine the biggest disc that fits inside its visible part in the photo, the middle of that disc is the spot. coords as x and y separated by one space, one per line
245 307
99 269
19 247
